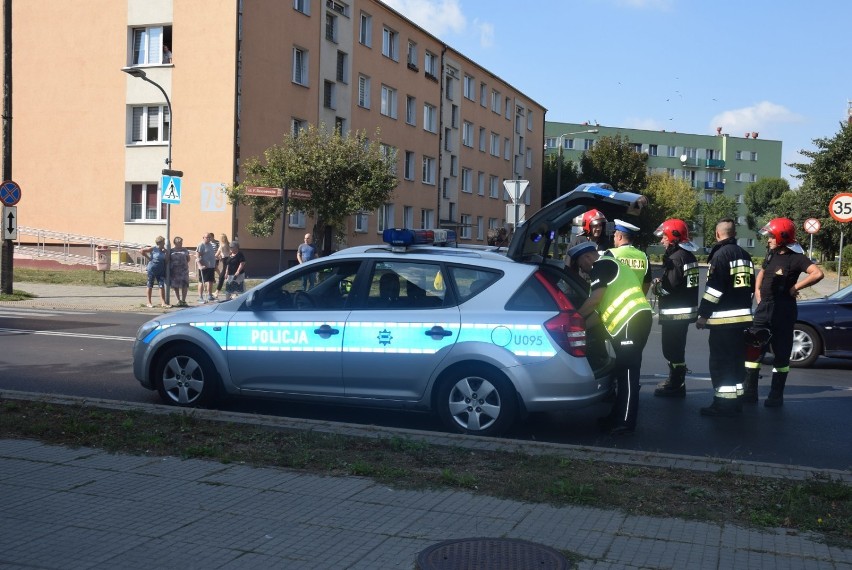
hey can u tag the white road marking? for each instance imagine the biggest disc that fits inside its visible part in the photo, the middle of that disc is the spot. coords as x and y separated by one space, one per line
67 334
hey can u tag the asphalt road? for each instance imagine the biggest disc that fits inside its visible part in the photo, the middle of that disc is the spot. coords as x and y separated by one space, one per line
88 354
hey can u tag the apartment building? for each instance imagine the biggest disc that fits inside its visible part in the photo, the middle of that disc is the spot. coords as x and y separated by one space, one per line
712 164
228 79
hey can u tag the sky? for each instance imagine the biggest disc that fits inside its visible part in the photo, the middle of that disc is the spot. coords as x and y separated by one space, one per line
777 67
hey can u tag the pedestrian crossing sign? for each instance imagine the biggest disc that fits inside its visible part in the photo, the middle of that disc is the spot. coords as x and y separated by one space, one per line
170 190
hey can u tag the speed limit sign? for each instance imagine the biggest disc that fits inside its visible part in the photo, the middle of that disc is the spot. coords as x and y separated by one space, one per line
840 207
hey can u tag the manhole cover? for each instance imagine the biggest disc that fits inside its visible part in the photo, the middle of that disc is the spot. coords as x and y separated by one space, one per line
490 554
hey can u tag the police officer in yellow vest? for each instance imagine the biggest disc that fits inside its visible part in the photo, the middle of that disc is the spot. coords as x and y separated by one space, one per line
628 254
617 300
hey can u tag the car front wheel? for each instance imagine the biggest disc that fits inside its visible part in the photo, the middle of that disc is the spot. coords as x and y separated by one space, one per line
807 346
477 402
186 377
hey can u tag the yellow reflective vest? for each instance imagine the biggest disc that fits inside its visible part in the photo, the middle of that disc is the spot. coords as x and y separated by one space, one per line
622 299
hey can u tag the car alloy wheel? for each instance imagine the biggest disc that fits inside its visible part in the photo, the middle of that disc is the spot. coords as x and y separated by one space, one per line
477 402
186 377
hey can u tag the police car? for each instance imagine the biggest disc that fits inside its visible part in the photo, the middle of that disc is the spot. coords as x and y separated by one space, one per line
480 337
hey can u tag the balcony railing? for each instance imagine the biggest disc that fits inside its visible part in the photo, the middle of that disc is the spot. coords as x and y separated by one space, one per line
691 163
714 186
715 163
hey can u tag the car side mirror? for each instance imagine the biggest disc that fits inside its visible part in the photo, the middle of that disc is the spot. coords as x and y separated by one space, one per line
252 300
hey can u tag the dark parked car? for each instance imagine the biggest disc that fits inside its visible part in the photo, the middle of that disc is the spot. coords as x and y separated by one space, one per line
824 327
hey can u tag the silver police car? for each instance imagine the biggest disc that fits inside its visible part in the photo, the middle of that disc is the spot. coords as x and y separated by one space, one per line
480 337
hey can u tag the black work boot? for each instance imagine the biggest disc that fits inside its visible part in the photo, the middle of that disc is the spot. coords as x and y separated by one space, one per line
673 386
775 399
722 408
750 385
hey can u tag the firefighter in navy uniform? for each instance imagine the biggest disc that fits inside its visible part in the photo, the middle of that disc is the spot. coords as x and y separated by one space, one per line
617 301
777 287
725 309
677 294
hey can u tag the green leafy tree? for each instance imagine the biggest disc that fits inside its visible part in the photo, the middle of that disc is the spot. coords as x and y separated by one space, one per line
569 180
614 160
345 174
828 173
668 197
711 212
760 200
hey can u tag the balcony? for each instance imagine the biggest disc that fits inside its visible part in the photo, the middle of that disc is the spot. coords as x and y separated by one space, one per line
715 163
691 163
714 186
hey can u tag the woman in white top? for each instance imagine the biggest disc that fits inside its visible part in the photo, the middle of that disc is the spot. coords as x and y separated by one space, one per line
222 255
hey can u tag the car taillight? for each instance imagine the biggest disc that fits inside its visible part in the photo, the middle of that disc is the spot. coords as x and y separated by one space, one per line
568 328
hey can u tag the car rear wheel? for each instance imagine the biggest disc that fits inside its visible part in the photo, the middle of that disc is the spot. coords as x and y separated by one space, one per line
807 346
186 377
477 402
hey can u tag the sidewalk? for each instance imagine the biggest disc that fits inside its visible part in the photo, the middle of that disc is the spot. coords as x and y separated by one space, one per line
74 508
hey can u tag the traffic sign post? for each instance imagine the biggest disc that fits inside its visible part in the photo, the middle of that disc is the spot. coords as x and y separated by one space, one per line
515 210
840 209
812 226
10 193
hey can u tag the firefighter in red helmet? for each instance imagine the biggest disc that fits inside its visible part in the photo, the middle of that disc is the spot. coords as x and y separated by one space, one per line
776 288
593 229
677 297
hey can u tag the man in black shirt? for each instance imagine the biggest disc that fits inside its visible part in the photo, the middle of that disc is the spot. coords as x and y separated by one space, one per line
776 288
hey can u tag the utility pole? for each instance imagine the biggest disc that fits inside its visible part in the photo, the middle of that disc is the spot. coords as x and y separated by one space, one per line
8 256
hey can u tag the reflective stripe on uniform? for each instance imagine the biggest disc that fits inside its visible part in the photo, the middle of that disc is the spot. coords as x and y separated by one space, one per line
678 314
781 369
712 295
729 392
730 317
750 364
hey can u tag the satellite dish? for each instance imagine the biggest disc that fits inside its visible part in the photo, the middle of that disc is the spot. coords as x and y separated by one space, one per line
683 158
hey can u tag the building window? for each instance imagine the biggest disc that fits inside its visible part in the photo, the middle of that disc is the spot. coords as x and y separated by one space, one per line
483 95
588 144
150 124
340 125
449 84
495 101
467 180
412 55
529 119
338 7
411 110
454 116
384 217
430 64
303 6
297 126
448 140
389 154
495 144
365 33
493 186
145 203
465 226
507 149
467 134
331 27
550 142
151 46
300 66
652 150
690 152
428 170
427 218
388 102
468 87
390 44
508 108
407 217
739 198
454 165
364 91
296 219
529 157
637 147
429 118
342 71
754 156
328 95
408 167
752 177
482 139
672 151
362 221
480 228
480 183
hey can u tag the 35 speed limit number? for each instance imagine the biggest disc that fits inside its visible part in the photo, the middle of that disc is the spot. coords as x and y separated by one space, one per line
840 207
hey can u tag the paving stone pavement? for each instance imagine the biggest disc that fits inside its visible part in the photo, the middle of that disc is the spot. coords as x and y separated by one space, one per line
85 508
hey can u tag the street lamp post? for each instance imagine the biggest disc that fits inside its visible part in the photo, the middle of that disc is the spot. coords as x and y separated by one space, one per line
136 72
560 141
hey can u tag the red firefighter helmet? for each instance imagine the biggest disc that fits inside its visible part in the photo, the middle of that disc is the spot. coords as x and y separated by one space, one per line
677 233
592 217
784 232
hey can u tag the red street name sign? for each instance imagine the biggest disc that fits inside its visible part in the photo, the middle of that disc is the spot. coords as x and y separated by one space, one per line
297 194
264 191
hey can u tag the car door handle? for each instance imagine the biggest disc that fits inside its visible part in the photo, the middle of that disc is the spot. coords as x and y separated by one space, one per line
437 332
326 331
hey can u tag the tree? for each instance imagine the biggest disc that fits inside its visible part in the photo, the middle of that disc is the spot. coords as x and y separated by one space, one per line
569 180
828 174
345 174
614 160
668 197
711 212
760 200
